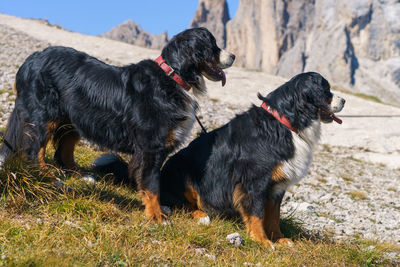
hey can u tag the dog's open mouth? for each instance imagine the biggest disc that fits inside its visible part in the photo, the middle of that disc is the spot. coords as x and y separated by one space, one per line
214 73
328 116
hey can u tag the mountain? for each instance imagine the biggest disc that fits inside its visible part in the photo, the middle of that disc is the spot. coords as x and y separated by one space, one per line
212 14
355 44
131 33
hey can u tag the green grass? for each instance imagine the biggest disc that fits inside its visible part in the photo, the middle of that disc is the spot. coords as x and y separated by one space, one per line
104 224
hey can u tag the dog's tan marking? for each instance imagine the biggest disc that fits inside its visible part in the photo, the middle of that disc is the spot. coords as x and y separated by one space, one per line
277 173
193 198
152 209
330 100
67 146
271 219
254 224
197 214
51 127
171 139
238 196
15 88
271 222
41 156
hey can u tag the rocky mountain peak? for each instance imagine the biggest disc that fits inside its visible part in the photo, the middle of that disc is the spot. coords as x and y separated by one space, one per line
213 15
131 32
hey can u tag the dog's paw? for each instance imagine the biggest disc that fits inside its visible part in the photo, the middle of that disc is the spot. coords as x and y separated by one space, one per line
204 220
269 245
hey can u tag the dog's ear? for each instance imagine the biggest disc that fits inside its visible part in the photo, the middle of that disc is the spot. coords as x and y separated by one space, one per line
283 99
313 89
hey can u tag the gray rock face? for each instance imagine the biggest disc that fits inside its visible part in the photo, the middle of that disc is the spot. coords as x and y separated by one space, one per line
131 33
252 37
355 44
213 15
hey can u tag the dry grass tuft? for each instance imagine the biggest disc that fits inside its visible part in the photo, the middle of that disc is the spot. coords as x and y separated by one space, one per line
354 194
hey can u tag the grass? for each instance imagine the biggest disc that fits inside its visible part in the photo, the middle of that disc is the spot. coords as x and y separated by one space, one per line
355 195
347 178
104 224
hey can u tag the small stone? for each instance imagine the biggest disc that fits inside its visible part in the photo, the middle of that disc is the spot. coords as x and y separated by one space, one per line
89 179
235 239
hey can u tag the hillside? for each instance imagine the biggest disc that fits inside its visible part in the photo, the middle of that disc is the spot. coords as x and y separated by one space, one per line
351 192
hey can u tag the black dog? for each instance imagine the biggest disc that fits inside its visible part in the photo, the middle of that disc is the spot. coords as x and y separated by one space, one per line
141 109
246 166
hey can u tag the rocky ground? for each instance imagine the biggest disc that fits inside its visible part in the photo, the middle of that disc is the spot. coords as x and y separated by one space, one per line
342 194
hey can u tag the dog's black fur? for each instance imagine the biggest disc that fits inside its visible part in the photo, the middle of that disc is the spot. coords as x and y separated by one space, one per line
63 94
239 168
245 166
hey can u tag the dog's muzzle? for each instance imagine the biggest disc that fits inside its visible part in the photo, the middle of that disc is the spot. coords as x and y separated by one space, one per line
226 59
337 103
327 115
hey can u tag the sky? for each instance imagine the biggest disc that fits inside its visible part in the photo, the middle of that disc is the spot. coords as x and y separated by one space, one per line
97 17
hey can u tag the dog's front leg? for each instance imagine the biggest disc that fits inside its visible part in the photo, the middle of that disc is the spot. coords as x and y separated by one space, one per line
271 221
145 169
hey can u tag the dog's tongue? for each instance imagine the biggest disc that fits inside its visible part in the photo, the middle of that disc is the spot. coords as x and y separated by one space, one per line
335 118
223 80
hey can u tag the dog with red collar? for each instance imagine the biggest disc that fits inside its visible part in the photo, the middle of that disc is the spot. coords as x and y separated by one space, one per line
143 109
246 166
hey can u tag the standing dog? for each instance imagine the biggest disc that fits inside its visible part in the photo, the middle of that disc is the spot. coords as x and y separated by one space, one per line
246 166
141 109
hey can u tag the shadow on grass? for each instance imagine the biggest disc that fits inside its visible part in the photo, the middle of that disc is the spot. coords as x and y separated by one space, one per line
107 190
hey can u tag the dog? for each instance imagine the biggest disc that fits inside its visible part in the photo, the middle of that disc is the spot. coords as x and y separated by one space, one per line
246 166
142 109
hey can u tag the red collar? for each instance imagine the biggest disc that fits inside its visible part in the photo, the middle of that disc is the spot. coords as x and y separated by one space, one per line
281 118
170 72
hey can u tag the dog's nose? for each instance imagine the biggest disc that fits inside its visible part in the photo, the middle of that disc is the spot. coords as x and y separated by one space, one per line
233 57
343 101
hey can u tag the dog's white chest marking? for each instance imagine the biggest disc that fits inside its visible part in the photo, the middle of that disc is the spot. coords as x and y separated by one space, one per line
296 167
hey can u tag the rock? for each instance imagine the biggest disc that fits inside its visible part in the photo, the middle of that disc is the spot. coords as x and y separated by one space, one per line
89 179
235 239
304 206
251 36
203 251
357 40
213 15
131 33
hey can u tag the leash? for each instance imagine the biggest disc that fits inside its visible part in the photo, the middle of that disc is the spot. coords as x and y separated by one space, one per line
7 143
201 125
171 73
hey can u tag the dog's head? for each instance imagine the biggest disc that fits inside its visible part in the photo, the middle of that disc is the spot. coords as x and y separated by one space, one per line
193 54
305 98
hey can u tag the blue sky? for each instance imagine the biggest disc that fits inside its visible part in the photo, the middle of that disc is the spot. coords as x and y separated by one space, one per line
96 17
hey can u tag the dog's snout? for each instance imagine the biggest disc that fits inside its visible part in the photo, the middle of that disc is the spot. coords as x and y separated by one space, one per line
343 101
226 59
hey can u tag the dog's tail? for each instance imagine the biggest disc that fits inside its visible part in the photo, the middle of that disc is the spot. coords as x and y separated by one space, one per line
12 139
